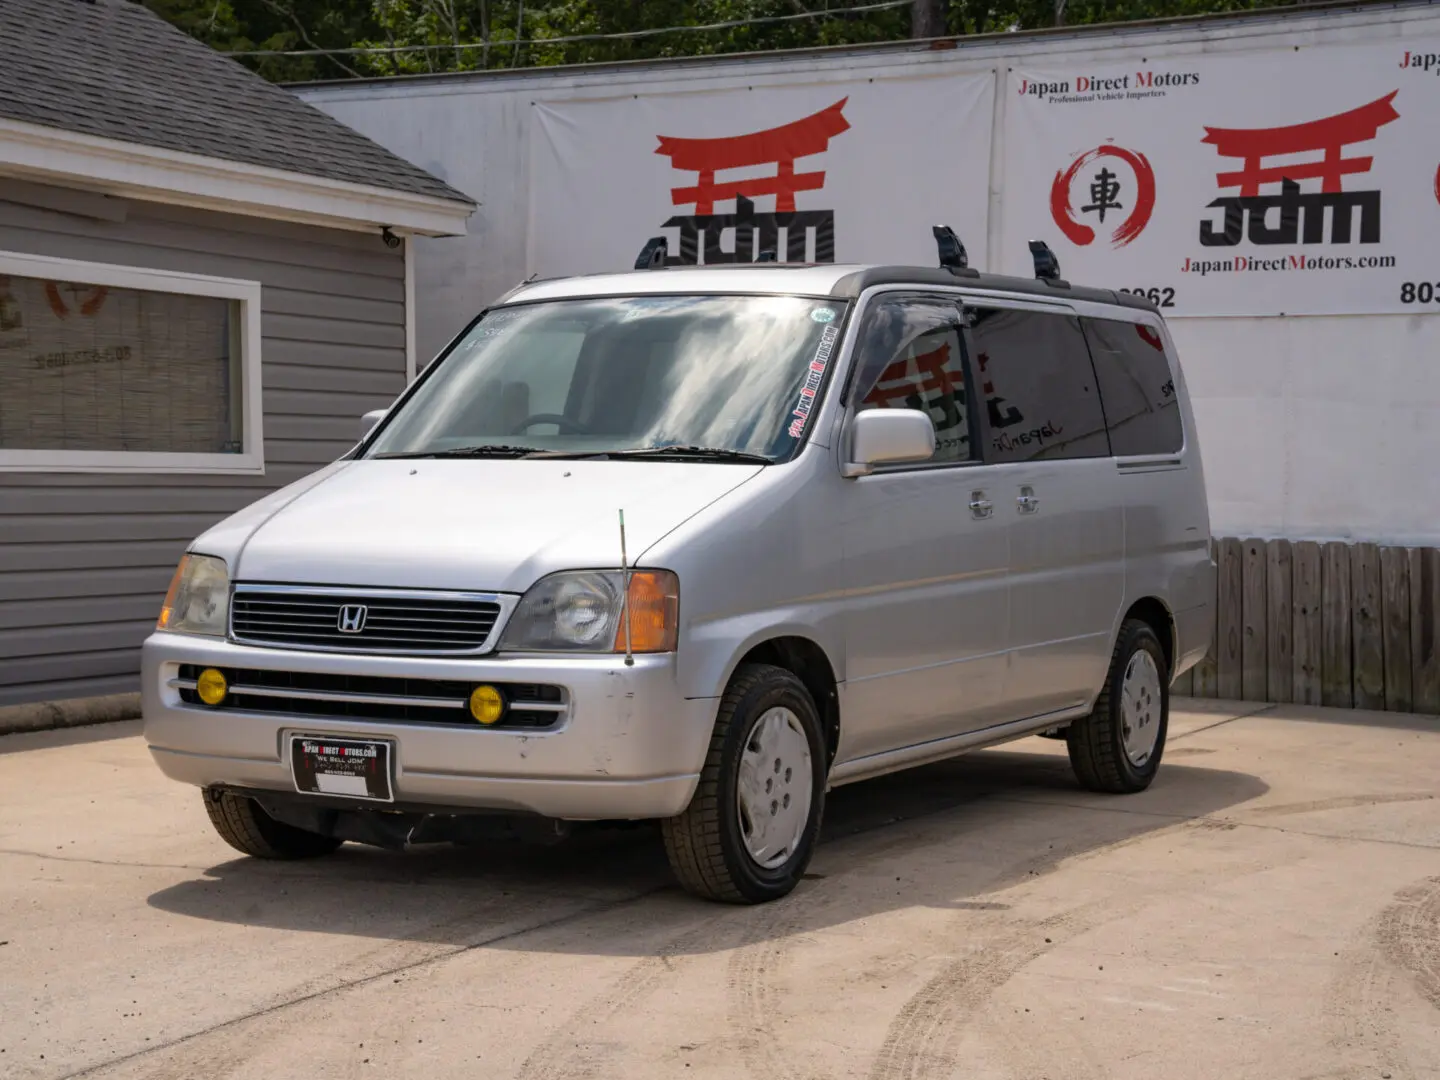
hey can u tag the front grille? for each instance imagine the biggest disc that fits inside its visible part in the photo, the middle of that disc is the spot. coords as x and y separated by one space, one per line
385 622
528 706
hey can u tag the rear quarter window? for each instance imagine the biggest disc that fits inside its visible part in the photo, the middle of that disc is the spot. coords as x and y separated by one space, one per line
1137 389
1040 390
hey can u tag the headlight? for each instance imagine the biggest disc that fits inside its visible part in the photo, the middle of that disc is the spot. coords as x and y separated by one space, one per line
199 598
584 611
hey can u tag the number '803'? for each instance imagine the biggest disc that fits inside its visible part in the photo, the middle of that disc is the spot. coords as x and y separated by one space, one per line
1424 293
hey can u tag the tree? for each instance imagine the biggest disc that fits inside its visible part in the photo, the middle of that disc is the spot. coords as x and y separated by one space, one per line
410 36
929 18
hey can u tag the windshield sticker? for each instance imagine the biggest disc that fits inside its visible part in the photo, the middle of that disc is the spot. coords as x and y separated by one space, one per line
813 378
498 322
823 315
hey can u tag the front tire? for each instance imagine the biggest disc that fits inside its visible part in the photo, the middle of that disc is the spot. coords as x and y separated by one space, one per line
1117 748
750 831
247 828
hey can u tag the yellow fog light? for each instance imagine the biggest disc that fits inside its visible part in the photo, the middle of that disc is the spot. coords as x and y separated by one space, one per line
486 704
211 686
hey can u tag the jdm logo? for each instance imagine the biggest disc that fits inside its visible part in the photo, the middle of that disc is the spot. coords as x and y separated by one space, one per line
1122 197
754 232
1302 214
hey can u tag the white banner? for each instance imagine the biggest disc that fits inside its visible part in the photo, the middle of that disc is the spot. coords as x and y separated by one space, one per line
835 172
1297 182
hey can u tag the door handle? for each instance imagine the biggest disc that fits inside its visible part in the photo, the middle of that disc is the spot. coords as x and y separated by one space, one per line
980 506
1027 502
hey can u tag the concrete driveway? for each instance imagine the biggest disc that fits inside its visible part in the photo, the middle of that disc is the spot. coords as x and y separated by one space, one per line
1269 909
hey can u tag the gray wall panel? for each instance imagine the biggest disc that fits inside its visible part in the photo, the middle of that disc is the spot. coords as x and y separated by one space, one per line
85 558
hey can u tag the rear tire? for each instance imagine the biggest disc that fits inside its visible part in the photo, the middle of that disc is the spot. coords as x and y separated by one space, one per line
247 828
750 830
1117 748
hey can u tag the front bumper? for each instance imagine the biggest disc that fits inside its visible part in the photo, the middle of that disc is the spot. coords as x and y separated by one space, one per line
629 746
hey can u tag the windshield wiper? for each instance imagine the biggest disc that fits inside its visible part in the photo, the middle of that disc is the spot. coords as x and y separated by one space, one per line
687 453
695 453
468 451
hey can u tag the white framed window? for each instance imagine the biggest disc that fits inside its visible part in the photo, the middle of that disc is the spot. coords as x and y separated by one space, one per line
108 368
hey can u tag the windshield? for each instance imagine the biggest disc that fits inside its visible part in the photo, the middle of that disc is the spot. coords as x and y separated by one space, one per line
734 374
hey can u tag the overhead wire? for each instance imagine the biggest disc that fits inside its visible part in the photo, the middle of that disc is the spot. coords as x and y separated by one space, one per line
619 35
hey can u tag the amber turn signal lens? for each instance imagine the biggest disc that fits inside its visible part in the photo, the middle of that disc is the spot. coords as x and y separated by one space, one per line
652 609
211 686
167 611
486 704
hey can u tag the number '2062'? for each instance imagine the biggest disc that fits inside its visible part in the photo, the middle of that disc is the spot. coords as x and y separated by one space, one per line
1424 293
1160 297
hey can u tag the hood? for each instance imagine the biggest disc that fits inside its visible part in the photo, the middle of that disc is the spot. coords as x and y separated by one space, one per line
475 524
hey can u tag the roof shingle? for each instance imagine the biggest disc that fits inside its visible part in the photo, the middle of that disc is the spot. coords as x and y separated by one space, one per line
113 69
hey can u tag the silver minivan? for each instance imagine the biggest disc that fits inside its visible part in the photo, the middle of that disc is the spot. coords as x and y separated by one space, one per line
695 545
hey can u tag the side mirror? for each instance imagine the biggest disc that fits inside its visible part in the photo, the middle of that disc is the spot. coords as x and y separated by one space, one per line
889 436
369 420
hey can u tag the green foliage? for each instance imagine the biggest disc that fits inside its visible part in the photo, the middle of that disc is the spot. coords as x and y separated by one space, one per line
463 35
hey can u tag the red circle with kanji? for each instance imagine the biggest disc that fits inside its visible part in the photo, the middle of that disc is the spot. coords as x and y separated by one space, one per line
1081 234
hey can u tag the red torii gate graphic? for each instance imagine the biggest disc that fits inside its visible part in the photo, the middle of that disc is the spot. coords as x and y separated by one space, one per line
898 383
1330 135
778 145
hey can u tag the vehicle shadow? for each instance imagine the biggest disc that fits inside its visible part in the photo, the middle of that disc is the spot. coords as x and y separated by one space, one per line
947 835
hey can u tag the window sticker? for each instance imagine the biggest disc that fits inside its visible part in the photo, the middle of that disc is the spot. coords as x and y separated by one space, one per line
823 315
813 378
499 322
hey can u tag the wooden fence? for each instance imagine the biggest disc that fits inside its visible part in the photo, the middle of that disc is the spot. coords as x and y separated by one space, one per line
1348 625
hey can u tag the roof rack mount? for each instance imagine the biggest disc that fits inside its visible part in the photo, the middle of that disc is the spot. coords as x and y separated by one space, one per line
653 255
1047 266
953 256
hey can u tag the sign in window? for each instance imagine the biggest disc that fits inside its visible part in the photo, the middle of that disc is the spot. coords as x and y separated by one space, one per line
96 372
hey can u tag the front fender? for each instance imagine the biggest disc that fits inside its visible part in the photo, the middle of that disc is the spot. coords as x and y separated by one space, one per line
716 648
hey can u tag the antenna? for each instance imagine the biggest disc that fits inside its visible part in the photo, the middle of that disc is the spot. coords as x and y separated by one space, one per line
953 256
1047 266
652 255
625 575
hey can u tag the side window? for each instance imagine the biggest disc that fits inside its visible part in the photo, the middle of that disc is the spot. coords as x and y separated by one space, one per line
1136 387
1038 384
910 356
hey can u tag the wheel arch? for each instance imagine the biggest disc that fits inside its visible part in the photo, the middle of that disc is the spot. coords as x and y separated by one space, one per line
1156 613
807 661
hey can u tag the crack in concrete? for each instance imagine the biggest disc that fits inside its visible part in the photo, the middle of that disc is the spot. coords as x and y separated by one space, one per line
1232 822
350 984
1220 723
101 862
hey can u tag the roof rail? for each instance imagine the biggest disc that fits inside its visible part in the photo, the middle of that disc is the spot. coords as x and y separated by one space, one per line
953 256
1047 266
652 255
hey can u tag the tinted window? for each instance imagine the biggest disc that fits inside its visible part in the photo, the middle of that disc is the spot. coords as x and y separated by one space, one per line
1039 386
910 358
1136 387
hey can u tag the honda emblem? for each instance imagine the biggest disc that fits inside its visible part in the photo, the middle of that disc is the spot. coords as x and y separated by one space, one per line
351 619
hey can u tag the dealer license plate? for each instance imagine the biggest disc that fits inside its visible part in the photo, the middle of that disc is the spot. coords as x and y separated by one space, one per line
359 769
